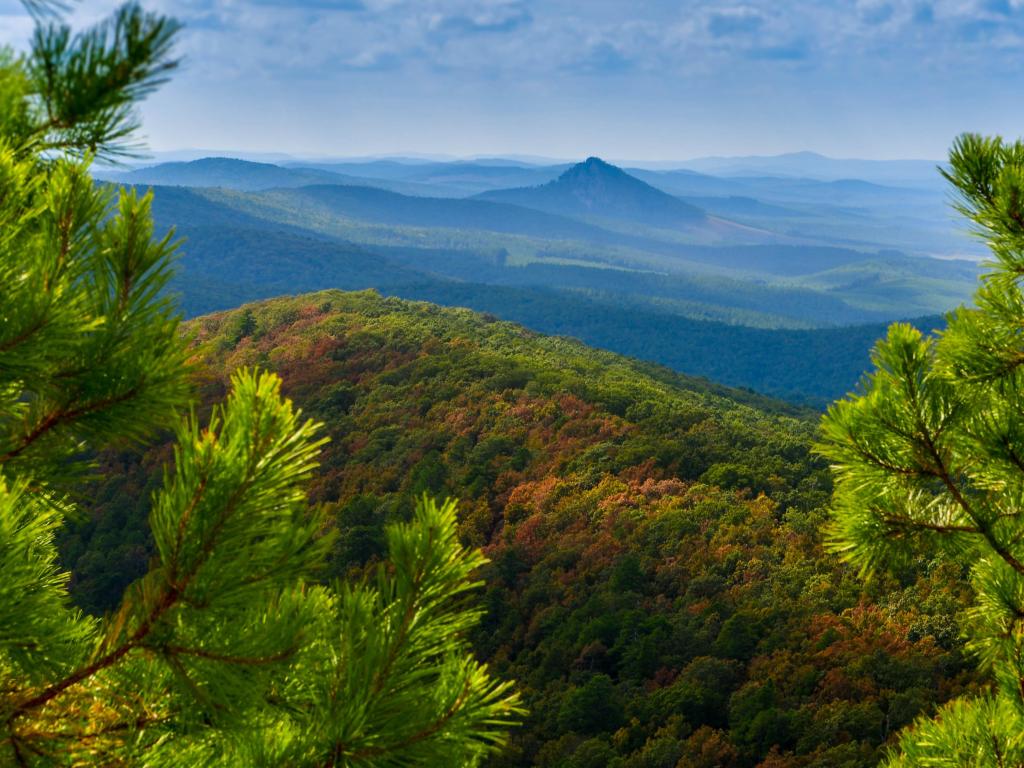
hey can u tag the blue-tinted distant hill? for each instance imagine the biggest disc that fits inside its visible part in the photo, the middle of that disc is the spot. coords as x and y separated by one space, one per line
794 210
383 207
244 175
461 239
448 179
916 218
226 172
227 257
811 165
596 189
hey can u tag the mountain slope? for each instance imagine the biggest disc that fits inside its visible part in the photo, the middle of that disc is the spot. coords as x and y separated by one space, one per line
224 172
811 165
464 177
595 188
229 257
384 207
248 176
657 587
810 367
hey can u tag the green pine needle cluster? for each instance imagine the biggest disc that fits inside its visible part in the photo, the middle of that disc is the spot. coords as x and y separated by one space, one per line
228 651
929 458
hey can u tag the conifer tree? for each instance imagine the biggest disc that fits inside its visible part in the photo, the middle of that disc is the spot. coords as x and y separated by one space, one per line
929 458
228 651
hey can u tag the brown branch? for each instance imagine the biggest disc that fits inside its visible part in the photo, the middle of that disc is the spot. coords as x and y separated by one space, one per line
61 417
942 472
909 523
1015 458
48 694
871 458
23 336
410 613
182 523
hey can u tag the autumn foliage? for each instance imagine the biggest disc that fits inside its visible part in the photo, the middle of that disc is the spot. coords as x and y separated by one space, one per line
657 585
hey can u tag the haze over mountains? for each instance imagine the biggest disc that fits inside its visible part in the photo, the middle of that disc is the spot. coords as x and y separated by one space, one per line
671 265
806 165
811 165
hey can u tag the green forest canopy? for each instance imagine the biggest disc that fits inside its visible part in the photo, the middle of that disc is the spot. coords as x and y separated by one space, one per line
658 587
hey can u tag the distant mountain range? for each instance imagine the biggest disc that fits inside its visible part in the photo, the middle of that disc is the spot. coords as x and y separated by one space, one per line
224 172
810 165
777 284
849 212
460 178
246 175
805 164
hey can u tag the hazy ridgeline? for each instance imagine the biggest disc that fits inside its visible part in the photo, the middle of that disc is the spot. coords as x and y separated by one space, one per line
776 283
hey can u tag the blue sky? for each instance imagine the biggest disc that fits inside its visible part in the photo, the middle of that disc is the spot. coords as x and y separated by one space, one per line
636 79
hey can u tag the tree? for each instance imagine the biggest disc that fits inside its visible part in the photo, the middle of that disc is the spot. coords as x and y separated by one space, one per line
228 651
929 460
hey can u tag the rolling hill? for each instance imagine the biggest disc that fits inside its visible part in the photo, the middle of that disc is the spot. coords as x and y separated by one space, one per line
384 207
657 586
461 178
223 172
227 257
837 212
247 175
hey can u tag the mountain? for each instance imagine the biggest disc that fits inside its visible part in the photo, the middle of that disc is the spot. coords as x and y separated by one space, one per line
809 367
596 189
657 586
811 165
156 157
246 175
223 172
747 210
464 238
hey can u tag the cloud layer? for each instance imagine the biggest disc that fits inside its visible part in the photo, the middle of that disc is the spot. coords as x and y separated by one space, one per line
523 38
881 61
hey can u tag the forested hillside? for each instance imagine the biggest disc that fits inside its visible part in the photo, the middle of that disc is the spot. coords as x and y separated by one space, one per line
657 585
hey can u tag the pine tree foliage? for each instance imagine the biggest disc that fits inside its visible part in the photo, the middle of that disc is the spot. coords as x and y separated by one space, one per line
228 651
930 458
85 85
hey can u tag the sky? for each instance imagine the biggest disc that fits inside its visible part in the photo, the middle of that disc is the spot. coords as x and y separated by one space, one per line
651 80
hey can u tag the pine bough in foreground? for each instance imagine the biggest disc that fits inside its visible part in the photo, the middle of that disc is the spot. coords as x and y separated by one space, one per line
929 461
228 651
